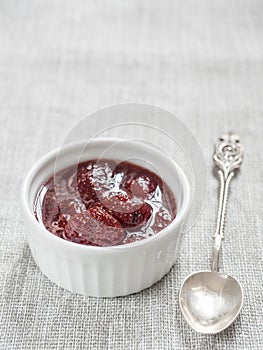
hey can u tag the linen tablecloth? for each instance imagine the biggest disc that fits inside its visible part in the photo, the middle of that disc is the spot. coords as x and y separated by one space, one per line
61 60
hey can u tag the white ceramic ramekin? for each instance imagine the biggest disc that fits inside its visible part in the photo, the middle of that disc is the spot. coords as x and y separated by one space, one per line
105 271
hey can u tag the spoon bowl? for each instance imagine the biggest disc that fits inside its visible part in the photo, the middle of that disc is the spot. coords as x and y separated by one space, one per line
210 301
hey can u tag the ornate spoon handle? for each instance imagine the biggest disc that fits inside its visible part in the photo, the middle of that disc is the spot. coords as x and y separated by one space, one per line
228 158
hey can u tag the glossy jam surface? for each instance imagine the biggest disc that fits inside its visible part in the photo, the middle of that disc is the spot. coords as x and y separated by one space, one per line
105 203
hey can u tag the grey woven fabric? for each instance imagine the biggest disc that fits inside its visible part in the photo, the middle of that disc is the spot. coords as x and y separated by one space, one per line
59 61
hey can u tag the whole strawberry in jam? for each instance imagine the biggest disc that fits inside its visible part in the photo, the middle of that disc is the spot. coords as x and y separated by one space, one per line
95 227
141 186
130 211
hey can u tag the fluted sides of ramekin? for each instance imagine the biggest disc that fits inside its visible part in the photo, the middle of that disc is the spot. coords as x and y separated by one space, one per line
115 275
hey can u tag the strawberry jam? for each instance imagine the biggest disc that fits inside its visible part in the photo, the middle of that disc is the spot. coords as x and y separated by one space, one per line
105 203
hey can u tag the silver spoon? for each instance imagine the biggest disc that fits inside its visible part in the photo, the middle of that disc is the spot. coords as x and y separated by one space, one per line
210 300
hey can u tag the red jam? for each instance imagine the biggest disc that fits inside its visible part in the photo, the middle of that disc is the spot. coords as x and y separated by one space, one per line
105 203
